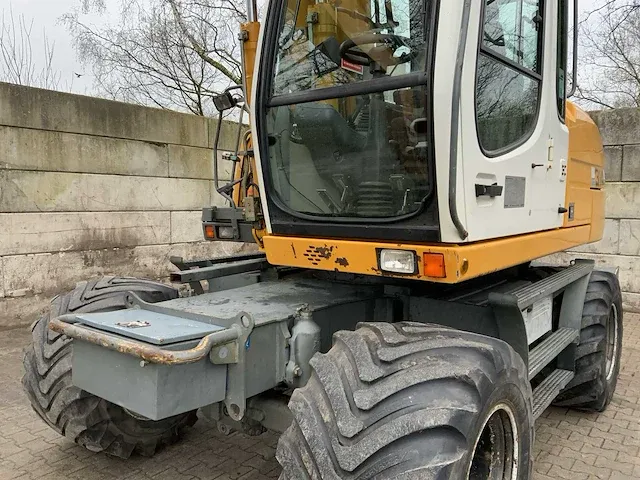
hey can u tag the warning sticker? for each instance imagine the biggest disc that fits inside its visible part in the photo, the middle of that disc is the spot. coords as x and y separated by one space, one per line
351 67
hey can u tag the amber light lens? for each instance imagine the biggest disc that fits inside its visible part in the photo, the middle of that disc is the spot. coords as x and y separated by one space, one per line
434 265
209 232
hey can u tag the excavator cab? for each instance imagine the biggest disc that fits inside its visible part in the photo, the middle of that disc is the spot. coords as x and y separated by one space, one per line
428 125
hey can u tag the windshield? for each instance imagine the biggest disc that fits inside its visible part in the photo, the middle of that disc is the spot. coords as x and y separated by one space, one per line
337 43
361 155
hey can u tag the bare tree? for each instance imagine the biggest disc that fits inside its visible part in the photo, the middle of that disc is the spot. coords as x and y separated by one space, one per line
166 53
610 55
17 61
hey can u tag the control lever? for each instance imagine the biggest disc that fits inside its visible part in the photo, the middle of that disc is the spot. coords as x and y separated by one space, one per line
328 201
338 179
405 200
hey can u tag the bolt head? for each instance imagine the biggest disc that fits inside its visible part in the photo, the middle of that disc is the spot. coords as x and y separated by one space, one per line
297 372
224 429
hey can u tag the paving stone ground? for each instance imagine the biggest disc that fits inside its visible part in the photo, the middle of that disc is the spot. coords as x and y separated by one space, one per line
569 444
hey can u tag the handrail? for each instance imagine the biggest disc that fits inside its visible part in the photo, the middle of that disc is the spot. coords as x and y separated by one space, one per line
455 122
67 325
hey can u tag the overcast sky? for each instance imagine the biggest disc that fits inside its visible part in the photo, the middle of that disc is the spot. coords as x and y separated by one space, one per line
46 16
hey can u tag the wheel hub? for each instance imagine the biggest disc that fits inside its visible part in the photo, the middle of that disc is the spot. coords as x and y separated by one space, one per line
495 455
612 341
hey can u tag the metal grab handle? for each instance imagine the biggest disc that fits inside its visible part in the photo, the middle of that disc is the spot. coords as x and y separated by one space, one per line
64 324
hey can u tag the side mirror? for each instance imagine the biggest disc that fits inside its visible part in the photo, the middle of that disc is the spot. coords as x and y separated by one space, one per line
224 101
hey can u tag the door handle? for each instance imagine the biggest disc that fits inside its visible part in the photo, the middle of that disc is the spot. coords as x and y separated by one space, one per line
492 191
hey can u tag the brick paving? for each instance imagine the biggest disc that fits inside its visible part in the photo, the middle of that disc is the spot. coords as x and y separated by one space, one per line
569 444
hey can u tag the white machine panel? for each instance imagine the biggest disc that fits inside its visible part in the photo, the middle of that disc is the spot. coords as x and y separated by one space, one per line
538 319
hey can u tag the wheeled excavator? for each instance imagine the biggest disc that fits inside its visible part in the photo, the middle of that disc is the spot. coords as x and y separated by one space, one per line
408 166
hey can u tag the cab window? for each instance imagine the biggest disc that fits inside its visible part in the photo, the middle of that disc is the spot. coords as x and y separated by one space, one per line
509 75
327 45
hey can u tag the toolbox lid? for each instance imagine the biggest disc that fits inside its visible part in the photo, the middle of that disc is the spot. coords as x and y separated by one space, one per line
147 326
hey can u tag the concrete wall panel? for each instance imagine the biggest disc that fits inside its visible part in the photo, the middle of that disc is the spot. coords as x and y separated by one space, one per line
22 311
23 191
1 278
52 232
618 127
631 302
56 111
62 112
630 237
50 273
186 227
27 149
610 240
623 200
192 162
631 163
613 163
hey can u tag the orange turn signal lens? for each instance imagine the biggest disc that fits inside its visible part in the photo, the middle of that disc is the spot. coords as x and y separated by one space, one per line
434 265
209 232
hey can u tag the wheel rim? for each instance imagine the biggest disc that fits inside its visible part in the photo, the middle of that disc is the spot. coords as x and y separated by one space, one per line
495 455
612 341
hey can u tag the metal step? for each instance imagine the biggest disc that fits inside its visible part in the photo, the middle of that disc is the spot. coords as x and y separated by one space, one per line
527 296
548 390
549 349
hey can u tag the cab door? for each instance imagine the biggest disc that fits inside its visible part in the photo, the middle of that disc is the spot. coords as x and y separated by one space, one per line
514 141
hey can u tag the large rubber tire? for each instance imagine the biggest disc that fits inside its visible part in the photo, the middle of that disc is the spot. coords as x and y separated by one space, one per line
408 401
90 421
600 339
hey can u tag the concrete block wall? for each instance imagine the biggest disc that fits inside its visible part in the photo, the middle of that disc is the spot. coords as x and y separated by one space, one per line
620 246
91 187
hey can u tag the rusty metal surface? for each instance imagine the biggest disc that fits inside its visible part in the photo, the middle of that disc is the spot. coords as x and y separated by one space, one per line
67 325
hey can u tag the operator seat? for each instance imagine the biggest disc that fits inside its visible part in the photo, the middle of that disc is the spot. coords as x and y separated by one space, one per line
327 135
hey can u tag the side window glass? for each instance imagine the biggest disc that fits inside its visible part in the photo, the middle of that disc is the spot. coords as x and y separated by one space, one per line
501 28
508 77
531 34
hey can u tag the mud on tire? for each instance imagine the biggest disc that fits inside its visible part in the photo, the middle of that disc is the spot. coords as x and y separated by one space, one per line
90 421
409 401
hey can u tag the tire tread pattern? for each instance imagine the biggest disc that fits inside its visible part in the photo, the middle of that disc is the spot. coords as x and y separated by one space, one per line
391 400
589 390
90 421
